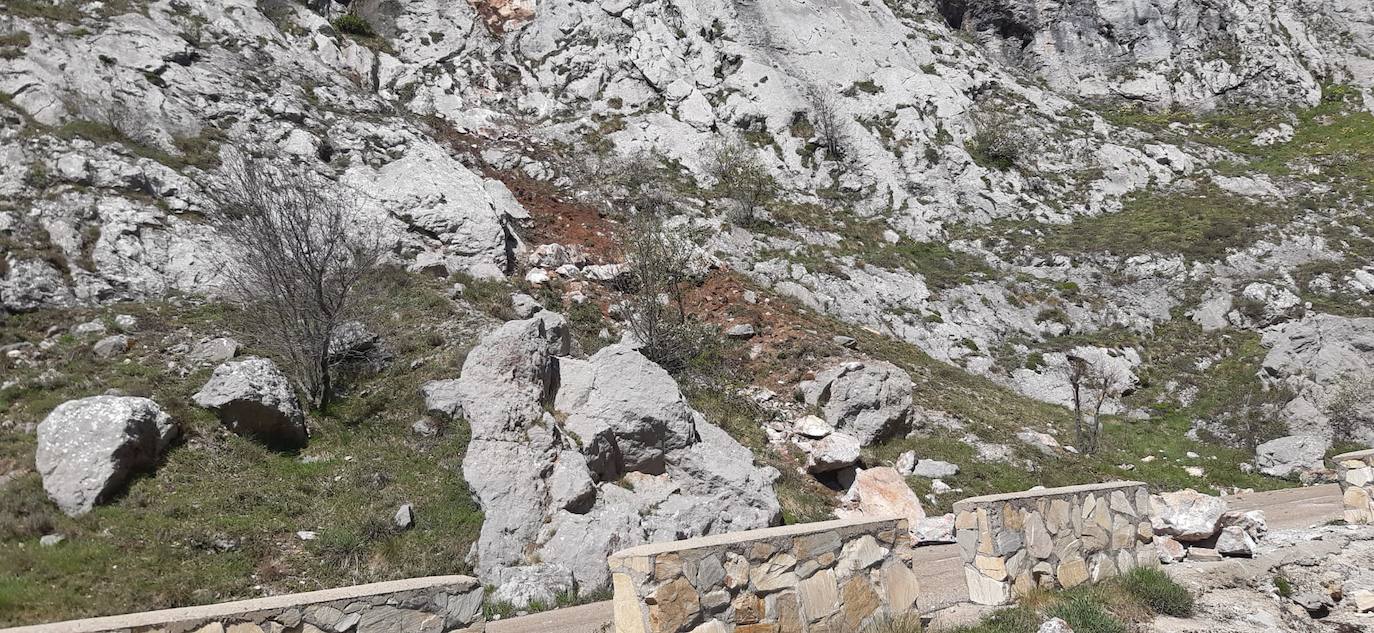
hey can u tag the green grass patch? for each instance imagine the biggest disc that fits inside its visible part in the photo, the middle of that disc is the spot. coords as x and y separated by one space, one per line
218 519
1113 606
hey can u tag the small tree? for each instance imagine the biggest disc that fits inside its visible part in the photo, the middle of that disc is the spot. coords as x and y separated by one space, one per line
298 258
1093 385
1351 407
1000 141
741 178
828 123
628 184
659 265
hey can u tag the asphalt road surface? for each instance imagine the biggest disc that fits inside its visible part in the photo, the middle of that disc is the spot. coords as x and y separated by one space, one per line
941 573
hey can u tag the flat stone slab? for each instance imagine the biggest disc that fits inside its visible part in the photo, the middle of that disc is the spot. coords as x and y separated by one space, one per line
1354 456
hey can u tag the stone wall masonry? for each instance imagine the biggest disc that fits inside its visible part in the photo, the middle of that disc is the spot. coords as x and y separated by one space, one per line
1052 538
830 576
436 604
1355 472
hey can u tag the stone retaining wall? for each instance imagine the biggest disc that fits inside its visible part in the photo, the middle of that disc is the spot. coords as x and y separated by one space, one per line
436 604
828 576
1055 537
1355 472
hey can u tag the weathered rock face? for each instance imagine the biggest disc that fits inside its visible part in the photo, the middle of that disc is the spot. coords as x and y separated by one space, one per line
869 400
1327 360
1292 455
253 398
521 587
621 394
547 481
1161 54
1186 515
88 448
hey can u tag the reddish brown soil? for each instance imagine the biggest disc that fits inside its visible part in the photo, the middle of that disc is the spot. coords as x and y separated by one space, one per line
556 220
784 334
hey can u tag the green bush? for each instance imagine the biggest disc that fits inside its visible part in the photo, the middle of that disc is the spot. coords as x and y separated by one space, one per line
1157 591
896 624
353 24
1085 614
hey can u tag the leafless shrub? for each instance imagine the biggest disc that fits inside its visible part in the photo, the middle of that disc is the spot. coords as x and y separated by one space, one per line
627 184
298 258
1093 385
659 275
828 123
740 178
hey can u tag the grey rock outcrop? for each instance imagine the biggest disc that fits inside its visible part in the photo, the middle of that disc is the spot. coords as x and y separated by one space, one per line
112 346
442 398
1325 359
88 448
529 585
548 487
870 400
215 350
620 394
1145 53
1292 455
253 398
1186 515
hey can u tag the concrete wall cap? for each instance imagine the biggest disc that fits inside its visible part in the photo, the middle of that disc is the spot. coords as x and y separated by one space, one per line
1044 492
730 538
1355 455
228 610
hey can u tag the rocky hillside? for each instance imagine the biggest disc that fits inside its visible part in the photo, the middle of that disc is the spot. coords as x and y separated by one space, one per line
911 225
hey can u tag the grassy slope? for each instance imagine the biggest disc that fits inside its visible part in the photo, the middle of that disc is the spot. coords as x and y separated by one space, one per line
217 521
990 411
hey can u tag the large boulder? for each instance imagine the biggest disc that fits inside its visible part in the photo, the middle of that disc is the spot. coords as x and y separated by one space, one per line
882 492
538 585
88 448
1187 515
621 392
254 399
830 453
870 400
1292 455
442 399
574 459
511 374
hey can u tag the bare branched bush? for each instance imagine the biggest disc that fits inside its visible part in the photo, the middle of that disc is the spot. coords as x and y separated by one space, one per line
1093 384
298 258
740 178
629 184
659 264
828 122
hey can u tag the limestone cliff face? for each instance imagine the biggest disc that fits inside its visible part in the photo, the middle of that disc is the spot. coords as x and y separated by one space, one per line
916 224
1177 53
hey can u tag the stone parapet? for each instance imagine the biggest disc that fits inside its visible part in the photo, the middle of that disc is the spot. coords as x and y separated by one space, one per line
827 576
1355 472
1051 538
436 604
